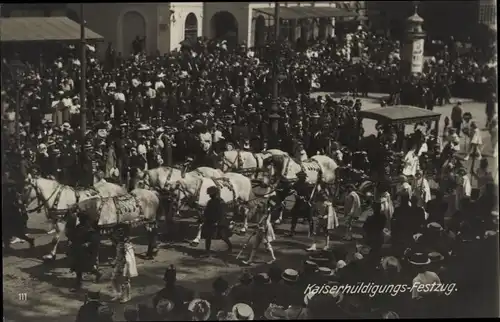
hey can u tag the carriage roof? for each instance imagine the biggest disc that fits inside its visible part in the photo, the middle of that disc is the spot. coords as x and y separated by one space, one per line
400 114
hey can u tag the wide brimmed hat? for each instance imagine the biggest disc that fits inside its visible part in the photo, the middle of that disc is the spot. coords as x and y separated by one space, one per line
290 275
242 311
310 266
143 127
325 271
390 262
200 308
320 257
419 259
435 257
262 279
94 293
164 306
274 312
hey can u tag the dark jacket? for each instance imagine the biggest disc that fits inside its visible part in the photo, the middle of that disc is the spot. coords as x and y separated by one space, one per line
84 249
215 217
88 312
177 294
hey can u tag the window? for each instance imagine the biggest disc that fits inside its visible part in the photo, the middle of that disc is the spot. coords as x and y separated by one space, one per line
191 27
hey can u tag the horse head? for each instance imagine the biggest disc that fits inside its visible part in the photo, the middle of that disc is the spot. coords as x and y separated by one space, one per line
38 189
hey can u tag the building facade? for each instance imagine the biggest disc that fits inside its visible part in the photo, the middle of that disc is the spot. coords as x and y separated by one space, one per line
163 26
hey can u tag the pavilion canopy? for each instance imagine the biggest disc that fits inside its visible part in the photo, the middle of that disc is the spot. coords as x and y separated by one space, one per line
291 13
400 114
25 29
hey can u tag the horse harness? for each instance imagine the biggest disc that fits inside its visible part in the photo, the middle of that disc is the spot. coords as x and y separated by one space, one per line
123 204
44 202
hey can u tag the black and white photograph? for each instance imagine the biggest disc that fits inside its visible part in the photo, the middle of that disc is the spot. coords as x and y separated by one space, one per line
212 161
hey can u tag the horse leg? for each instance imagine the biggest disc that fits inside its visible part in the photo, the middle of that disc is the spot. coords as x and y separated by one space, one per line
152 242
246 213
196 241
55 241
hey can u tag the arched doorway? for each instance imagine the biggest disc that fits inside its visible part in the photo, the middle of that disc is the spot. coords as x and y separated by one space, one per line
260 31
133 25
191 28
225 26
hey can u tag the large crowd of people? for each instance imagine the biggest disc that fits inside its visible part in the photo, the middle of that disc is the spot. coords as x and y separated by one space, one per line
146 111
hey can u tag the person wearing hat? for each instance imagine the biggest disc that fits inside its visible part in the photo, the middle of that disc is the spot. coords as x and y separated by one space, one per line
131 313
199 310
327 219
14 217
421 190
476 142
242 291
124 266
457 117
242 311
89 311
105 314
404 188
302 206
436 208
462 190
84 247
215 222
400 234
178 294
264 233
352 208
164 310
261 293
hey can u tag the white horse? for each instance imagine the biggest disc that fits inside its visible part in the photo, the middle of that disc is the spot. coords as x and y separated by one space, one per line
56 199
248 163
235 190
139 207
157 178
318 168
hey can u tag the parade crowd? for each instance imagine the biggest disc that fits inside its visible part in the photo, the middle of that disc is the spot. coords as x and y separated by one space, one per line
148 111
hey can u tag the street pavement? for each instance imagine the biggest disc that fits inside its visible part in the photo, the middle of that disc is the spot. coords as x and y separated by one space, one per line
37 291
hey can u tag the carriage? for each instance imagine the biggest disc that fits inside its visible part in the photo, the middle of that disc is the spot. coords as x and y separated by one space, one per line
398 116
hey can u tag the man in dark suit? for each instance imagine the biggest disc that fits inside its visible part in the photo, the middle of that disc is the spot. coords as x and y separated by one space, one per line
174 292
85 241
215 222
89 311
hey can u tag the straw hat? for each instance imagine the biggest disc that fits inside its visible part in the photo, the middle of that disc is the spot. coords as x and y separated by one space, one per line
200 308
274 312
419 259
164 306
290 275
325 271
243 311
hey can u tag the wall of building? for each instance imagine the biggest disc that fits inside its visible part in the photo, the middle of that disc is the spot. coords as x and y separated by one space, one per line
181 10
111 20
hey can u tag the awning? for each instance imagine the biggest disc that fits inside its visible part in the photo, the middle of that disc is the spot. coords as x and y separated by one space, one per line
42 29
400 114
291 13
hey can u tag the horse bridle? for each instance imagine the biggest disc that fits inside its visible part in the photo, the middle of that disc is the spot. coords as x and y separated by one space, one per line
42 202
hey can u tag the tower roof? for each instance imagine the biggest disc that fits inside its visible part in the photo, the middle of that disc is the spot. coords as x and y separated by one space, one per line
415 18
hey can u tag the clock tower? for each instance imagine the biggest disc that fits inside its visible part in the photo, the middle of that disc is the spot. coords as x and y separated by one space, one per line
413 47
